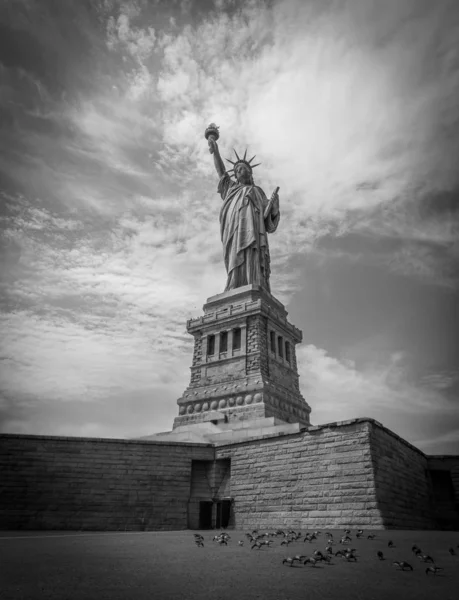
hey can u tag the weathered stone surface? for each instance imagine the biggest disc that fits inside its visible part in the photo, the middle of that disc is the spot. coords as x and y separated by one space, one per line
250 380
81 483
354 473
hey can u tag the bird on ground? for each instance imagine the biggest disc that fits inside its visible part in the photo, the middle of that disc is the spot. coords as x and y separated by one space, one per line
371 536
359 533
414 548
259 544
350 557
451 551
339 553
198 536
199 543
391 544
240 543
299 557
222 542
329 535
280 532
285 542
329 550
425 558
433 570
345 540
289 561
318 554
402 565
347 531
326 558
380 555
310 561
349 554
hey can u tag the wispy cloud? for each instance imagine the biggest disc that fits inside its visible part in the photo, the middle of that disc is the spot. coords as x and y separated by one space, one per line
110 237
384 390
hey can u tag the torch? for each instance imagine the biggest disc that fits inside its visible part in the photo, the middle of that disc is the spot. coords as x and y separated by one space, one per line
211 133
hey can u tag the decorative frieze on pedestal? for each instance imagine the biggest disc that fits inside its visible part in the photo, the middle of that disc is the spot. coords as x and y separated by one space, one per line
244 361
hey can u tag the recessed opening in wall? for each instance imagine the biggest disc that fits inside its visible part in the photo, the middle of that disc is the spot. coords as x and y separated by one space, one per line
210 345
223 514
205 514
237 338
224 341
272 341
287 351
280 346
442 486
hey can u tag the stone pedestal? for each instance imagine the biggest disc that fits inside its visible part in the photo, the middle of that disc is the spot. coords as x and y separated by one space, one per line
244 362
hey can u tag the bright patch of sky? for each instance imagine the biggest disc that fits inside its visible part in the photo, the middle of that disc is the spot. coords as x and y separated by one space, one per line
109 212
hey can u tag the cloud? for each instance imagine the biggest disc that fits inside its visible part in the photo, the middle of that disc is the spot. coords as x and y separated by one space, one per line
384 390
111 237
447 443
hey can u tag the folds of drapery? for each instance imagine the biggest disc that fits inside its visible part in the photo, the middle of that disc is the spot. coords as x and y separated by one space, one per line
243 232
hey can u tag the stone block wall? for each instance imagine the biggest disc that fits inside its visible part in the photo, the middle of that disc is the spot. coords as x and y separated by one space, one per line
402 481
317 478
95 484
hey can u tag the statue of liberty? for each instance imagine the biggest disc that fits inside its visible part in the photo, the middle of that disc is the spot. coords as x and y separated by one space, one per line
246 217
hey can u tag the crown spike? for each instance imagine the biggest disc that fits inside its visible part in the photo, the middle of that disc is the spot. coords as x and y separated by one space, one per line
229 160
253 166
252 158
236 154
245 154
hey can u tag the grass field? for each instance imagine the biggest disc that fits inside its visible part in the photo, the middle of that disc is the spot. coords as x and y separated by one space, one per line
168 565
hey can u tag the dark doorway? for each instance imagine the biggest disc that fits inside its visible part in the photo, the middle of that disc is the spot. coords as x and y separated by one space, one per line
205 515
223 514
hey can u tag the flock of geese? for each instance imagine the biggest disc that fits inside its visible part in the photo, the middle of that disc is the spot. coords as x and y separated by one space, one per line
259 540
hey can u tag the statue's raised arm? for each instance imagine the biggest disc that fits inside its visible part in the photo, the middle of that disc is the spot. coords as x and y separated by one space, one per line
212 136
246 217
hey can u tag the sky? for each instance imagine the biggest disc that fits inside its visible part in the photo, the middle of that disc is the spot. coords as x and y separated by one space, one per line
109 231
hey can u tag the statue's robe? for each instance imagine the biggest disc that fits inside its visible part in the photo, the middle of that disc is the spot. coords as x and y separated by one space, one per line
244 233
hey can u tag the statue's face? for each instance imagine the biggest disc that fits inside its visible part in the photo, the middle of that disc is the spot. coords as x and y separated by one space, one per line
243 174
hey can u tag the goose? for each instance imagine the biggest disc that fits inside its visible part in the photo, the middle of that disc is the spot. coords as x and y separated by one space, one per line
402 565
433 570
425 558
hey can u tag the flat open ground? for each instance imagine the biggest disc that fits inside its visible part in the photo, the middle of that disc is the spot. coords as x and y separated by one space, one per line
168 565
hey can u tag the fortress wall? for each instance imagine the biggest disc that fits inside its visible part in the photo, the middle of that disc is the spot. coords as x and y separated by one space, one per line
402 481
95 484
320 478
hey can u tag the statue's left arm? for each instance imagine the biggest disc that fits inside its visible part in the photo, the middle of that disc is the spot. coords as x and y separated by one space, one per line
273 217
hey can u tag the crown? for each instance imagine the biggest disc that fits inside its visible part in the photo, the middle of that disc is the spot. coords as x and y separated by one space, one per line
242 160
